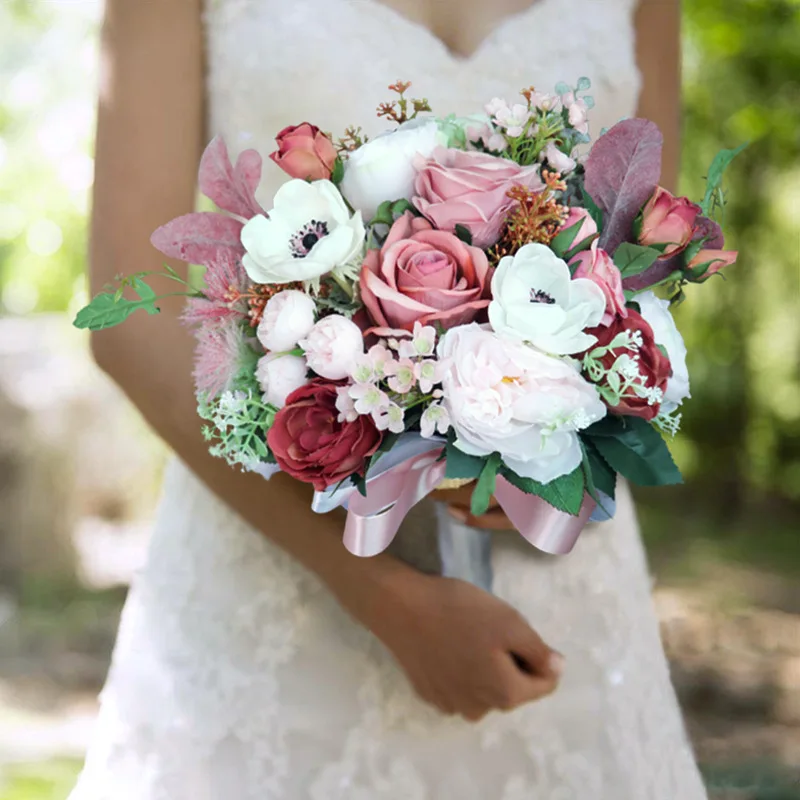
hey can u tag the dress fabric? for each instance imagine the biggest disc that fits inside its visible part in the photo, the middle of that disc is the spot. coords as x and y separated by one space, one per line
236 676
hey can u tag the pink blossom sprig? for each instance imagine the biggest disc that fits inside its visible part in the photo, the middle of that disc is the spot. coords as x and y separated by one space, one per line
395 375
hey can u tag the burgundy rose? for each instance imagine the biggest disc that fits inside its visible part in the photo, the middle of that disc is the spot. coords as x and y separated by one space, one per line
457 187
424 275
310 444
653 365
305 152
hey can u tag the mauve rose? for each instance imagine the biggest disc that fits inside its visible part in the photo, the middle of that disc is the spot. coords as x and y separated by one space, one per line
310 444
668 220
715 261
305 152
653 365
596 265
457 187
423 275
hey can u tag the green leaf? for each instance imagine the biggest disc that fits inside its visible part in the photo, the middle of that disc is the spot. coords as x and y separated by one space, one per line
460 464
594 210
564 240
484 488
464 233
383 216
716 172
109 309
564 493
338 171
633 259
604 477
400 207
635 449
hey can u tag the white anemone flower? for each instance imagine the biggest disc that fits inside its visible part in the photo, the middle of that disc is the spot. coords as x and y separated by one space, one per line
536 301
308 233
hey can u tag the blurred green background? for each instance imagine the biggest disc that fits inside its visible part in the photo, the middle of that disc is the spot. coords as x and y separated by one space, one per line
731 533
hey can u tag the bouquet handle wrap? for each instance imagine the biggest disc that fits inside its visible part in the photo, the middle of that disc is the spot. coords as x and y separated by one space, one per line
373 521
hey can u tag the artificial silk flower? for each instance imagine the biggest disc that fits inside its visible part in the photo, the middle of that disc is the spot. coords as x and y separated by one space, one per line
308 233
536 301
288 317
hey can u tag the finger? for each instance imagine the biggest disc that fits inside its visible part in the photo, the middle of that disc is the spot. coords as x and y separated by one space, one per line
531 655
517 688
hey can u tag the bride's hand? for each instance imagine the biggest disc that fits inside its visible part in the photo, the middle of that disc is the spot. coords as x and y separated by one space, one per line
464 650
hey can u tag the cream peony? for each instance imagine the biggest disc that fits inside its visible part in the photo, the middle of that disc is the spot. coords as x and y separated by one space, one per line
503 396
535 301
308 232
287 318
333 347
382 169
279 375
665 332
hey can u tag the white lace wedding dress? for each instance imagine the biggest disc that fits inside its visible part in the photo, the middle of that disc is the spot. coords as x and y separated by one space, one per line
236 675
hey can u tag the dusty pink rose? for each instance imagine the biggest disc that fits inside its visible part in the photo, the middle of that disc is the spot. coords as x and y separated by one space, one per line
304 152
457 187
668 220
596 265
587 229
715 261
423 275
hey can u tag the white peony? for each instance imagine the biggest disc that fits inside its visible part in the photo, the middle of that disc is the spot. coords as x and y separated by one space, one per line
503 396
287 318
333 346
382 169
308 232
657 315
279 375
536 301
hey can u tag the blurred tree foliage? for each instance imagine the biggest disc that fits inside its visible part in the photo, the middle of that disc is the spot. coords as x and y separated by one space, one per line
742 82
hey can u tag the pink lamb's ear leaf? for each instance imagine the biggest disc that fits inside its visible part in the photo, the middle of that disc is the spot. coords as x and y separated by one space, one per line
708 229
622 172
231 189
200 238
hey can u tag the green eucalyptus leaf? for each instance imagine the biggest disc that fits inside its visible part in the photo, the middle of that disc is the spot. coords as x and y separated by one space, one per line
107 310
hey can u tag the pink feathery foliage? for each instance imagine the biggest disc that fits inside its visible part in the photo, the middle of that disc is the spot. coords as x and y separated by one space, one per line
218 356
226 279
206 236
199 311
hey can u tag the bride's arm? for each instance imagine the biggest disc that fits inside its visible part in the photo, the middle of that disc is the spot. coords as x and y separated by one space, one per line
658 54
454 641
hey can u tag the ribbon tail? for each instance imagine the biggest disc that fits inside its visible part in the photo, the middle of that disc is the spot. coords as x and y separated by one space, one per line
545 527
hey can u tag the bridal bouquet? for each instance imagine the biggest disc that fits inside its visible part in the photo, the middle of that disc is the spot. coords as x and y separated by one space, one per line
455 299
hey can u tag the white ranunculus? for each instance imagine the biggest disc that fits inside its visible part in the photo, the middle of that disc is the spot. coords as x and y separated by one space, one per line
287 318
333 346
308 232
503 396
383 169
657 315
279 375
536 301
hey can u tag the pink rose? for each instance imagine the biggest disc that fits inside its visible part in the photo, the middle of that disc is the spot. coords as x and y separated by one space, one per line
713 260
596 265
312 445
423 275
305 152
456 187
668 220
588 228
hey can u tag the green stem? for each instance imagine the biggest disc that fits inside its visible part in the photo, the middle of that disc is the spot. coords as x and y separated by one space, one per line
342 284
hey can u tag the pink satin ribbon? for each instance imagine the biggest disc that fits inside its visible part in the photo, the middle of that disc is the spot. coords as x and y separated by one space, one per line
373 521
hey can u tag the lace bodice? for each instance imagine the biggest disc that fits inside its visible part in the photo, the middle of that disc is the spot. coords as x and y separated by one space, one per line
273 64
236 674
